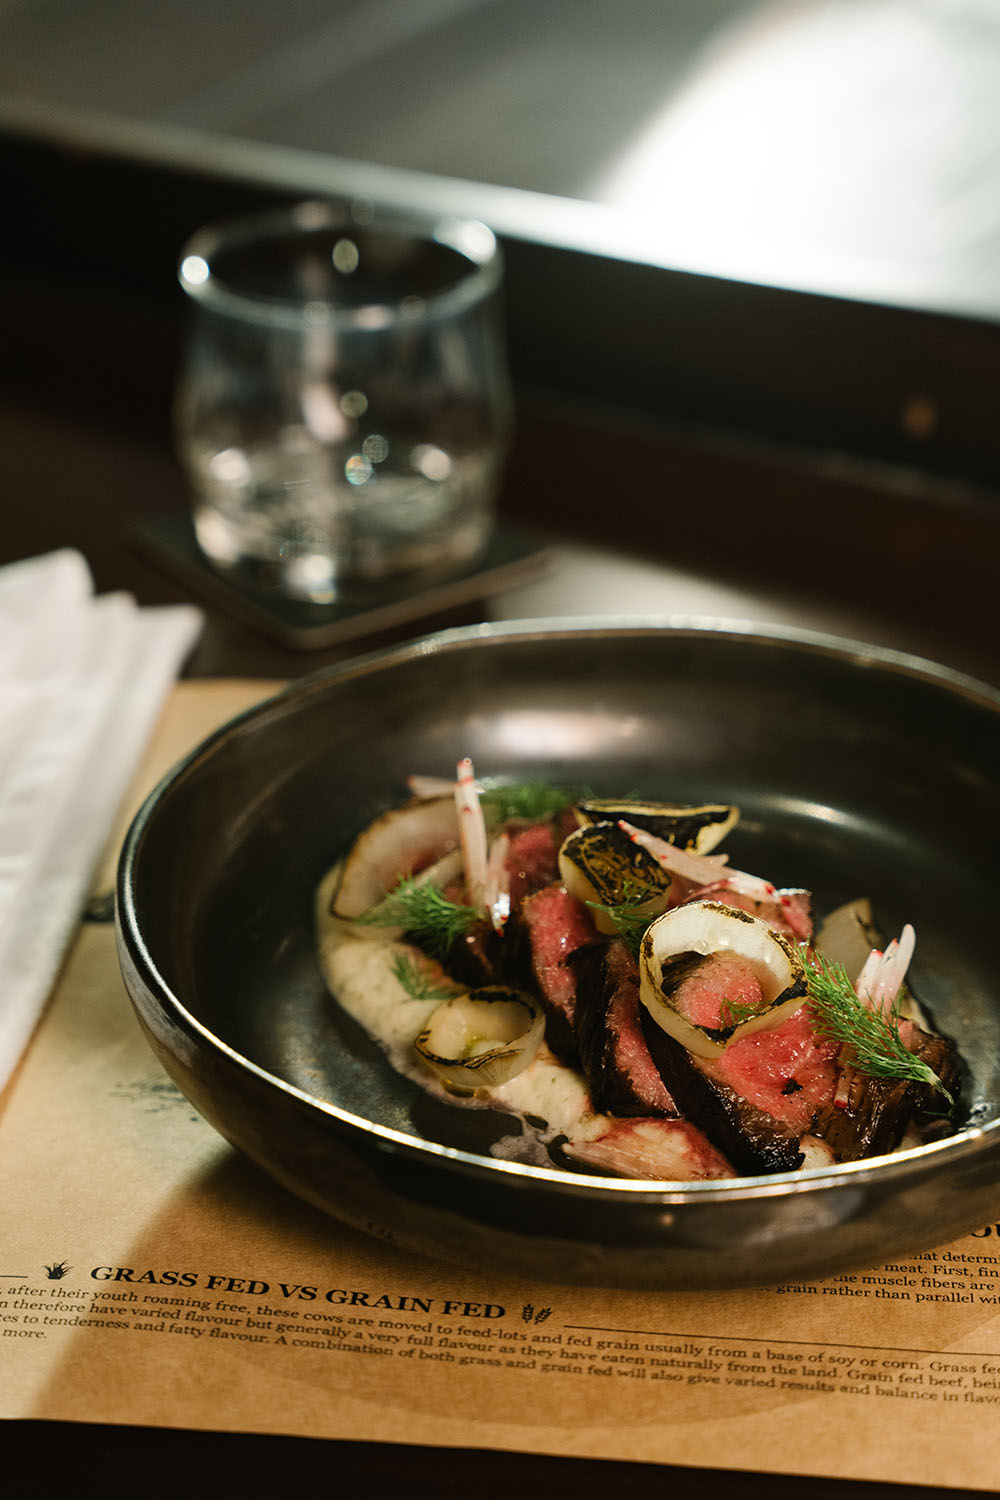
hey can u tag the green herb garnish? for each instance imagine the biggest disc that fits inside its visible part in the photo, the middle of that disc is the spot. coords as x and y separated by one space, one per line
422 980
631 915
733 1013
530 800
870 1038
434 922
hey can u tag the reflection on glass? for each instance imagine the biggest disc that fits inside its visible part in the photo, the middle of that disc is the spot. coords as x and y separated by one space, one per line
343 409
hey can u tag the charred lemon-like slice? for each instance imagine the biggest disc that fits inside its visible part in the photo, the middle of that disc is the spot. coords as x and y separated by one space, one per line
698 829
482 1039
710 974
599 864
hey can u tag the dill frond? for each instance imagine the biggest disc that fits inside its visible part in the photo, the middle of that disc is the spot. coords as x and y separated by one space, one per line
631 916
422 980
532 801
419 908
870 1038
733 1013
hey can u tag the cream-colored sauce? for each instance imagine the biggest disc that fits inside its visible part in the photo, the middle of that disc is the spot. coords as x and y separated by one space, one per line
548 1097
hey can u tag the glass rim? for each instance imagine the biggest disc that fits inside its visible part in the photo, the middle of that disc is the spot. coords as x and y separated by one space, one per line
467 237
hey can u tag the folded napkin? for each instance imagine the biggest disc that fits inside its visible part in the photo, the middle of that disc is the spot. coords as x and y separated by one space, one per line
82 681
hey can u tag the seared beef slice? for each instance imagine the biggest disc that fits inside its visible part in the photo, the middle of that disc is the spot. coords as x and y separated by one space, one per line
558 928
877 1111
621 1076
756 1099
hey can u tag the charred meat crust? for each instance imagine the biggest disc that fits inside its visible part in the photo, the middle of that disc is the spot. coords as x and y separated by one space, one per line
477 958
557 929
752 1140
622 1077
878 1111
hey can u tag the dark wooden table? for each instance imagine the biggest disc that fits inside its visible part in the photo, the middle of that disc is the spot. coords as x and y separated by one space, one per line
641 517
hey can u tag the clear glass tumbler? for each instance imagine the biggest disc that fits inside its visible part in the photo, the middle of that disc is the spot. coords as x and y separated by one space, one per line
343 409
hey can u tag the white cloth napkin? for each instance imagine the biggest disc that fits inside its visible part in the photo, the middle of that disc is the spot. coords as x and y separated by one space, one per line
82 681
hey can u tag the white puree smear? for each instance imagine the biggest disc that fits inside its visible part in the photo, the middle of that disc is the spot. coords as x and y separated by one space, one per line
357 964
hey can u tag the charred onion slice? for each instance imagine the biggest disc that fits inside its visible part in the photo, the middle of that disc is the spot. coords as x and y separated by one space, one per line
401 842
699 829
600 864
482 1039
848 935
675 948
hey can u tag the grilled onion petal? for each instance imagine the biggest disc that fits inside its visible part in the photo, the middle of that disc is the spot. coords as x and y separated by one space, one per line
482 1039
848 935
709 927
600 864
697 828
403 840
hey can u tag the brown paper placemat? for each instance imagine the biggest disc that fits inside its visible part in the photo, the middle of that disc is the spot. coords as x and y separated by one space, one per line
149 1275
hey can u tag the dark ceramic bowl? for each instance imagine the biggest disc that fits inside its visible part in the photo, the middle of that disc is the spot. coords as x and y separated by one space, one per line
858 772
